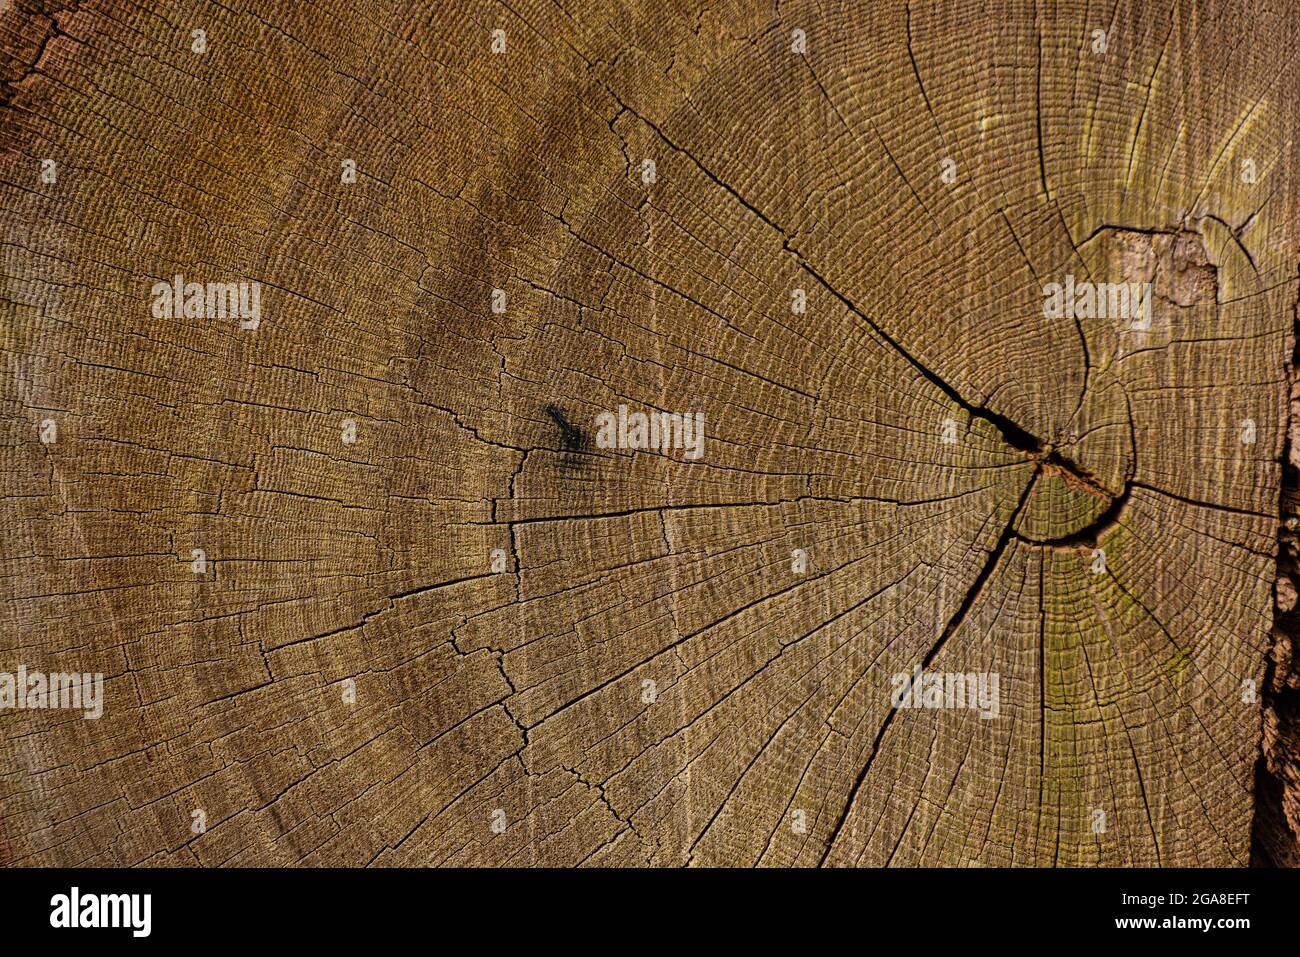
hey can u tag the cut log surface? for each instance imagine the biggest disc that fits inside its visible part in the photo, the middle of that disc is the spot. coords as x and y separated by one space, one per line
969 555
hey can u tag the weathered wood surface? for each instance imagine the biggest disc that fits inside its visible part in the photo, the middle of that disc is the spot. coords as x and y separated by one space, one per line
653 678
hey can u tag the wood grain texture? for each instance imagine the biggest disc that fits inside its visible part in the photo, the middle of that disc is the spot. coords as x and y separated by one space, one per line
475 635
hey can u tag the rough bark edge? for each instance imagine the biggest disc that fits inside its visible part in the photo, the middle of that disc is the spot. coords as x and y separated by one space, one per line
1275 835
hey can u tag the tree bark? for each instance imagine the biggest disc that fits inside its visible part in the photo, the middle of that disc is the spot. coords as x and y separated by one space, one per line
380 576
